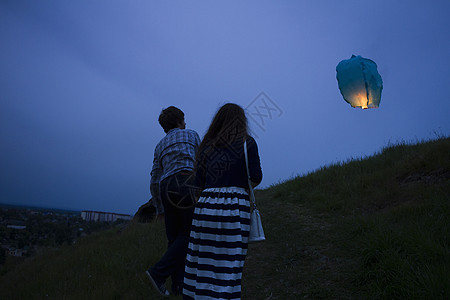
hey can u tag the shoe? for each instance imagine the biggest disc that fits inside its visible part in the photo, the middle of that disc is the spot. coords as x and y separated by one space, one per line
159 286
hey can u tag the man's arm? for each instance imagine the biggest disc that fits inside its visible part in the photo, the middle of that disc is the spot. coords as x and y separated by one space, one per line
155 177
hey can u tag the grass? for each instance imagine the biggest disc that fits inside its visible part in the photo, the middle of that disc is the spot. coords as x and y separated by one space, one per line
105 265
372 228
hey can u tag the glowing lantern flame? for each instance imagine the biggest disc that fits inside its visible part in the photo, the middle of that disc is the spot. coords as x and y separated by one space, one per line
359 82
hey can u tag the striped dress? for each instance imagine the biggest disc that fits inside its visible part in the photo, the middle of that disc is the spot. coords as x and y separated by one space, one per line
218 244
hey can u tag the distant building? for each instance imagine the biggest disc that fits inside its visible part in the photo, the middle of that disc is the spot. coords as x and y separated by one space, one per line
16 224
100 216
13 251
17 227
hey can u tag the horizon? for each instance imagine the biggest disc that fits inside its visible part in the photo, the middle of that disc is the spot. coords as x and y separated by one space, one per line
26 206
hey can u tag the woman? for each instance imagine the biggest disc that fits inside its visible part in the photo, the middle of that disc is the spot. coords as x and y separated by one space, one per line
220 226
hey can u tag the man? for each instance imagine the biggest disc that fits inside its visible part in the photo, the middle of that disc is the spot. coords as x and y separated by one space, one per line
172 168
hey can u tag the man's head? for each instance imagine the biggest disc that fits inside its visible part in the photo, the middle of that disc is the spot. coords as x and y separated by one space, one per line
171 118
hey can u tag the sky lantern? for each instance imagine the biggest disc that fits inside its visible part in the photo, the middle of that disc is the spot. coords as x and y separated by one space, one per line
359 82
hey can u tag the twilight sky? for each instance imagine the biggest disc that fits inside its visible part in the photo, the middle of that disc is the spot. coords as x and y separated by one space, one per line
82 84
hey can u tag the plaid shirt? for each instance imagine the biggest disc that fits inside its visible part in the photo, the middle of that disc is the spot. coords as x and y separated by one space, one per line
174 153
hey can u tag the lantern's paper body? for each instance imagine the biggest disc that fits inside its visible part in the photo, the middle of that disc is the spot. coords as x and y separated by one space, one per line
359 82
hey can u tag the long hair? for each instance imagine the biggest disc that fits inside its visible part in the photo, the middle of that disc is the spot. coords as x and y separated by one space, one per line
228 125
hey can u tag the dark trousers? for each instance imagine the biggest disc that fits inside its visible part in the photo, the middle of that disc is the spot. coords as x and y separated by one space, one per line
178 201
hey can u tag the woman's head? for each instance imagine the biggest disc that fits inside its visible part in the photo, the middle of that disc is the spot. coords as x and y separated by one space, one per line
171 118
228 125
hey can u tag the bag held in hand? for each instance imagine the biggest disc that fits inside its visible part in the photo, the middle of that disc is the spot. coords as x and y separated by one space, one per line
256 229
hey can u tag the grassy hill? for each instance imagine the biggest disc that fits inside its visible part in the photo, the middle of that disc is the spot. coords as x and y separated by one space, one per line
372 228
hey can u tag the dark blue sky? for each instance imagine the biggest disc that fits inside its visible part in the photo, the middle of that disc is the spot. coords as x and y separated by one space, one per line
82 84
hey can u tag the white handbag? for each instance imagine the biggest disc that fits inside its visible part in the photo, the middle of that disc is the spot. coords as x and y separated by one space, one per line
256 229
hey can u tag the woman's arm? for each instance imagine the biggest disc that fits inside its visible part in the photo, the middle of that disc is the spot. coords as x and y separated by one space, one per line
254 184
254 164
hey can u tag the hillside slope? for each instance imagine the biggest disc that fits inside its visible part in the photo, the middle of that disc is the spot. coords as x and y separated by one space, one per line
368 228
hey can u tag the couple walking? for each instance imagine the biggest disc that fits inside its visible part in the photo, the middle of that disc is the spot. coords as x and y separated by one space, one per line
202 186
